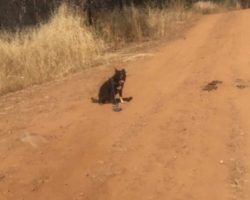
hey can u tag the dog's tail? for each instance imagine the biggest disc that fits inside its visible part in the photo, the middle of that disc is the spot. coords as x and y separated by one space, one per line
94 100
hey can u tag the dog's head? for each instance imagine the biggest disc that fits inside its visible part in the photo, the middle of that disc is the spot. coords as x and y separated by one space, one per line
120 76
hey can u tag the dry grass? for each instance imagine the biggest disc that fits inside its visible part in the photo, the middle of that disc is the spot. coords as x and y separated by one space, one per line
137 24
161 22
62 46
65 44
206 7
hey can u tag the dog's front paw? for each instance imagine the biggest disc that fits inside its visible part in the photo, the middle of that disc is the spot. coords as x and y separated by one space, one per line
121 100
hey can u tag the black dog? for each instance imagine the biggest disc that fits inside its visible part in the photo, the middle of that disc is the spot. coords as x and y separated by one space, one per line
111 88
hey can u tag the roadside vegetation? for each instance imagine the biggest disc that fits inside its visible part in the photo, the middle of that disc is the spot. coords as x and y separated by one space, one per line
67 43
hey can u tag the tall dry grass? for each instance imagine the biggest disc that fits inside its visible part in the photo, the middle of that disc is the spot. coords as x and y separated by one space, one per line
65 44
207 7
132 24
49 51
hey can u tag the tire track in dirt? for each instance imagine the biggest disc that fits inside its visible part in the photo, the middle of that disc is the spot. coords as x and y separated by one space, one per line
237 161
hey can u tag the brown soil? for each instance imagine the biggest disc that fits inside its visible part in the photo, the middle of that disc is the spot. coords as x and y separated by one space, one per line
172 141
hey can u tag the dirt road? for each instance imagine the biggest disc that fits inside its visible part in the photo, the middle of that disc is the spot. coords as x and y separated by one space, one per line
181 138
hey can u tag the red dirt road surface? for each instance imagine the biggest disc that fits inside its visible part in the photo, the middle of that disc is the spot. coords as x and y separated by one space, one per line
185 135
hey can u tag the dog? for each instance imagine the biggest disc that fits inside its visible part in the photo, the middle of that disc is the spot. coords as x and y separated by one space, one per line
112 87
